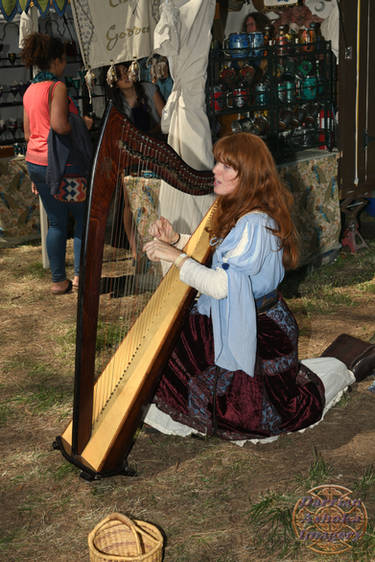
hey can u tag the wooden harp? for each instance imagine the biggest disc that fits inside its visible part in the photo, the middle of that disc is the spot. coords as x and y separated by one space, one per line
108 405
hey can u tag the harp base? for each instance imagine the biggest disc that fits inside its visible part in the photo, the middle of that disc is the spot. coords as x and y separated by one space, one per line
87 473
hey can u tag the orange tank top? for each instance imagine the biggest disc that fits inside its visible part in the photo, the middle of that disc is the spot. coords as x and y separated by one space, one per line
35 103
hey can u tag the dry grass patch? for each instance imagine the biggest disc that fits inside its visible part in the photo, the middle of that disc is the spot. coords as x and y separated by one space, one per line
201 493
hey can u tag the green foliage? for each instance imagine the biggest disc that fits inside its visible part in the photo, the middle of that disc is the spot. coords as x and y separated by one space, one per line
272 520
363 484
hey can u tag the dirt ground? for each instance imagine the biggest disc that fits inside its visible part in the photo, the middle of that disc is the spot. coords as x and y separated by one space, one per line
199 492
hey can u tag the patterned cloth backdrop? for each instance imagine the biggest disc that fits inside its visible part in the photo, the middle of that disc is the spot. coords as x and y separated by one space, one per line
19 207
313 183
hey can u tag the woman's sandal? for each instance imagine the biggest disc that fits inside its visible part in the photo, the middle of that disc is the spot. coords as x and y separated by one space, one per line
67 289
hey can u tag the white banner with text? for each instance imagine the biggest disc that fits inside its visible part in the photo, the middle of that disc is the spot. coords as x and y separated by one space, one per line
113 31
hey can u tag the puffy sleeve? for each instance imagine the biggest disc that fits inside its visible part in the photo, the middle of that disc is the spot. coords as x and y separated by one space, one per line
248 245
243 255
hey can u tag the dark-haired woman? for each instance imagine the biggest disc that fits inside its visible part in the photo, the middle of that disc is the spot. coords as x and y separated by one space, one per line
47 105
255 21
141 102
235 368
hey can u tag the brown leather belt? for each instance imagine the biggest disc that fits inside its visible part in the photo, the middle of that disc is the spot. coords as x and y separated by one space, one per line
267 301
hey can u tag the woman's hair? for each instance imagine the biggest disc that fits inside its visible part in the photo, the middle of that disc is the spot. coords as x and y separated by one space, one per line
40 50
259 188
260 19
115 94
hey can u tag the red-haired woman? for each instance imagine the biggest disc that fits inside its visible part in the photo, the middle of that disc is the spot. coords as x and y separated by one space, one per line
235 368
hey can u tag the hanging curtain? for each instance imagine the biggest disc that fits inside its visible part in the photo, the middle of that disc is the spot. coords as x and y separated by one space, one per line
9 8
183 34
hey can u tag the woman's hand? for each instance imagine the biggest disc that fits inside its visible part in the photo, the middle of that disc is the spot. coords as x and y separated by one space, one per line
157 250
163 230
34 189
89 121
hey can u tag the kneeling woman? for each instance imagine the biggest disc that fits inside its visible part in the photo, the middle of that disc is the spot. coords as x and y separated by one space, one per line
235 368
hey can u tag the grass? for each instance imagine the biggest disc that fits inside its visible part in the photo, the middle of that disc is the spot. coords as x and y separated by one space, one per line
36 270
327 302
347 270
318 473
364 550
271 516
271 519
215 502
366 482
37 389
108 335
5 413
344 400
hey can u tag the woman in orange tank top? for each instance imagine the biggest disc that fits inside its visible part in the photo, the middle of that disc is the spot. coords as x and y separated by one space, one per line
47 106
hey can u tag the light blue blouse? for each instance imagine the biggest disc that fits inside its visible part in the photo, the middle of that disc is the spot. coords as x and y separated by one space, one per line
252 258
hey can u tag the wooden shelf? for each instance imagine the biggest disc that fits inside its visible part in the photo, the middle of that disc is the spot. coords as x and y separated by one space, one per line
6 151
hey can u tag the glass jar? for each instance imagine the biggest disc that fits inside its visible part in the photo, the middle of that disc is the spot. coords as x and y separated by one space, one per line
282 40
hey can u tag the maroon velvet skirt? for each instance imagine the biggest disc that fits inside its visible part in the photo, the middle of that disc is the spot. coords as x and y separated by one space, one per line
282 396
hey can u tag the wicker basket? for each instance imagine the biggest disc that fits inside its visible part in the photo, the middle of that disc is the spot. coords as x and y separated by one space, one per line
119 539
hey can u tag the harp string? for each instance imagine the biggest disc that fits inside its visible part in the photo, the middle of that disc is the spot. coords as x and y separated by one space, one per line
106 411
128 279
109 324
130 305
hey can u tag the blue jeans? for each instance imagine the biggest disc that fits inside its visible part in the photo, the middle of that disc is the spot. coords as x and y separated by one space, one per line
58 215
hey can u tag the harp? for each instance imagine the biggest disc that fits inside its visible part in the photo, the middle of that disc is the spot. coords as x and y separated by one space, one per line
109 401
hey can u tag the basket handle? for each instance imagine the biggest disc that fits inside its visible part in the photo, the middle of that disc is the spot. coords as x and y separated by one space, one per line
135 529
129 523
147 534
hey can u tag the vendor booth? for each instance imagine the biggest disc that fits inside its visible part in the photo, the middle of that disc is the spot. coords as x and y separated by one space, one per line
22 219
280 85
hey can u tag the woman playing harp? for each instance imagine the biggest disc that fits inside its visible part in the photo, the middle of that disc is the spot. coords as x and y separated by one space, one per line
235 368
